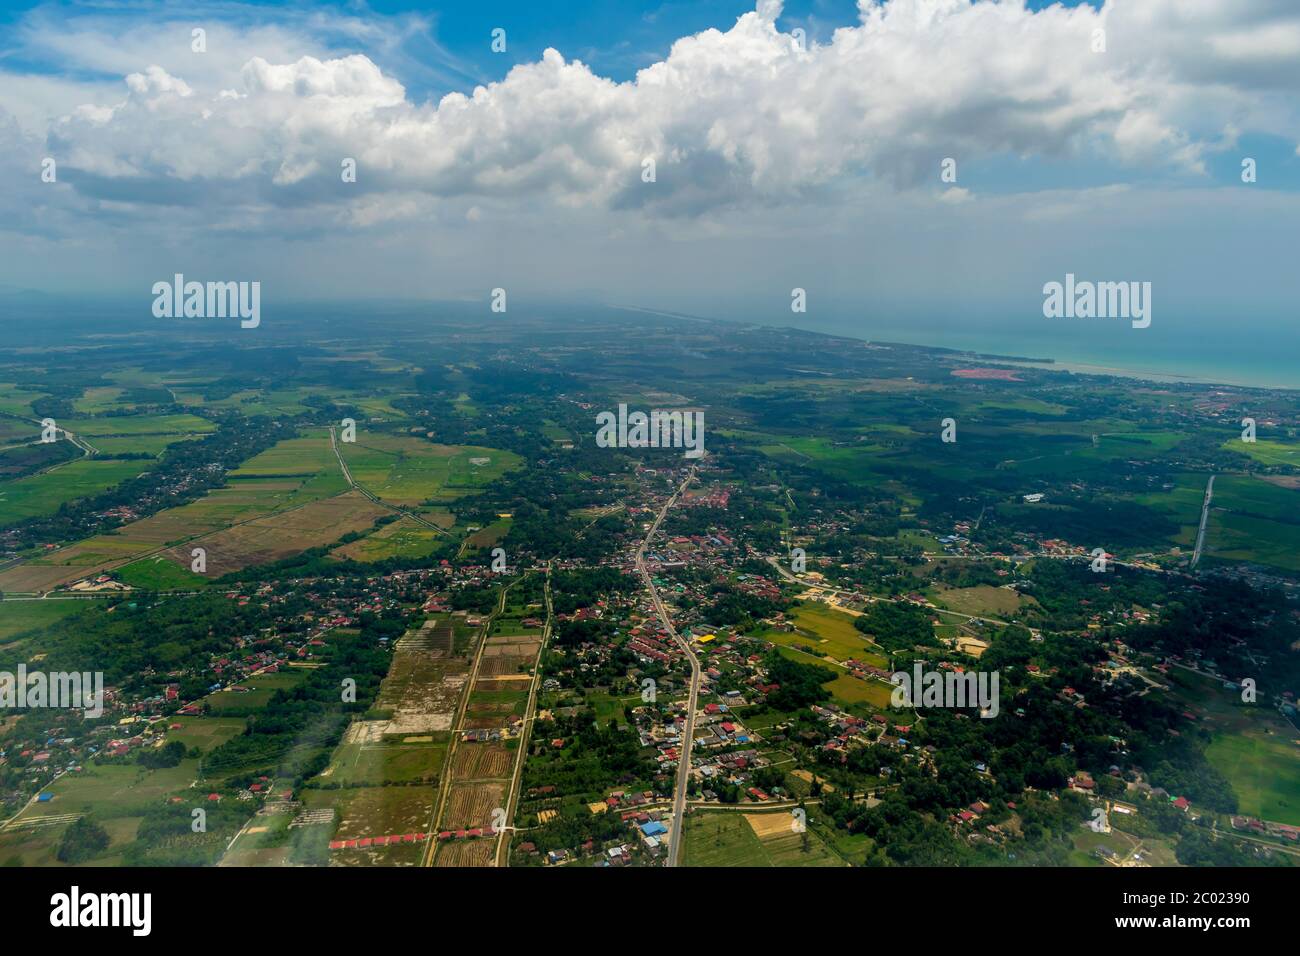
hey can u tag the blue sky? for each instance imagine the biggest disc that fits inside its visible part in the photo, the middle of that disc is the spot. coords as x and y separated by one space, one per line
617 38
776 166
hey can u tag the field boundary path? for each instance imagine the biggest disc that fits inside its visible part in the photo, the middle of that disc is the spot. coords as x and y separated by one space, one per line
457 728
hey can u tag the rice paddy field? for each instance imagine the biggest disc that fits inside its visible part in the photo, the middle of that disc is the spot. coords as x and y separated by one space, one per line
1254 520
282 534
127 425
409 471
42 494
402 538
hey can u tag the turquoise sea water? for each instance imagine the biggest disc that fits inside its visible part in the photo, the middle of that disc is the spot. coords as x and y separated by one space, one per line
1232 351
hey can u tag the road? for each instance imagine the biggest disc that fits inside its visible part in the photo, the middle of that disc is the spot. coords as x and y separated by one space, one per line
688 737
1205 516
501 857
352 483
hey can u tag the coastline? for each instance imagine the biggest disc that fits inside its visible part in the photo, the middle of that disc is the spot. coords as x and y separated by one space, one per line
996 347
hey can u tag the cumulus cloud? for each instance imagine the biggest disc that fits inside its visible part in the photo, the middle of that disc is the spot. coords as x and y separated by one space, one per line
742 118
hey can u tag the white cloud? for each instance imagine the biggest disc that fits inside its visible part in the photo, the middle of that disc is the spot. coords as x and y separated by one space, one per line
733 118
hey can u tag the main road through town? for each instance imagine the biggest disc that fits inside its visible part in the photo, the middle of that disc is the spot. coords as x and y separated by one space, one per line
688 735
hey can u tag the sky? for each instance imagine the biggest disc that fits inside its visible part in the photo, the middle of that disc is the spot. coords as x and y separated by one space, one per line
793 145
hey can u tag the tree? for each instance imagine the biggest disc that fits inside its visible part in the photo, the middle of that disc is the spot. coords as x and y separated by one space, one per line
82 840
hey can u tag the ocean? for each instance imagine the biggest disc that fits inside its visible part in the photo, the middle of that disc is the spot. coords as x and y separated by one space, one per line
1232 352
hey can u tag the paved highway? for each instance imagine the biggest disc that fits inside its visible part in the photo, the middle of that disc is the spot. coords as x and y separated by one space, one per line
1205 515
688 736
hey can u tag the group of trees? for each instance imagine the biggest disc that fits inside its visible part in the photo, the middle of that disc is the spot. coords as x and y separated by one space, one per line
293 734
187 471
897 626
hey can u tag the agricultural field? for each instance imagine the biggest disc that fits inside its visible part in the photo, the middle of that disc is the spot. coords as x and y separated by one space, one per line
490 535
293 473
402 538
306 467
827 632
255 692
138 444
1267 452
1252 746
17 401
116 794
390 761
1256 521
19 616
983 600
42 494
471 804
159 574
379 811
846 689
469 853
736 839
401 760
283 534
128 425
410 471
22 460
1182 503
134 541
205 732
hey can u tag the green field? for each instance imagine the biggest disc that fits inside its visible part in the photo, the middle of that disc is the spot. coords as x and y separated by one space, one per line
397 539
827 631
843 687
17 401
260 689
409 471
373 765
19 616
43 494
1252 746
1264 770
205 732
138 444
114 790
138 425
157 573
1254 520
725 838
983 600
1267 452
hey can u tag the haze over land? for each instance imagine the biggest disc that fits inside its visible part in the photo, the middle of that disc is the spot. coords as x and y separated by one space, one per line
777 167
